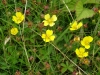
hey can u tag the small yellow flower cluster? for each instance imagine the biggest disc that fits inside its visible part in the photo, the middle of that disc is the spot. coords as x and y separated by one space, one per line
86 43
75 25
18 18
49 21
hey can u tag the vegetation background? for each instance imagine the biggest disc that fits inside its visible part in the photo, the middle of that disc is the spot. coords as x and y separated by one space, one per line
27 54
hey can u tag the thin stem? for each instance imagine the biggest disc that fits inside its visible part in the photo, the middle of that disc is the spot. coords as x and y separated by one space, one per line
23 35
68 9
15 4
24 16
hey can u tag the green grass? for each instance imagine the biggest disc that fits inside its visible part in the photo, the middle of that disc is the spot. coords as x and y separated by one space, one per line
27 54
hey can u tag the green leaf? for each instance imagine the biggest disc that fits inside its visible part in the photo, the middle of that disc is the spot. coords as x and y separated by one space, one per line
91 1
71 5
79 8
64 70
85 13
62 64
81 12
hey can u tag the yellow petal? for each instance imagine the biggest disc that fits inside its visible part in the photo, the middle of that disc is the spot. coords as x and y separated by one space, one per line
90 38
77 51
82 43
79 25
87 46
82 50
54 18
51 24
52 38
14 18
49 32
43 35
74 24
22 17
45 23
85 54
72 29
46 39
47 16
18 14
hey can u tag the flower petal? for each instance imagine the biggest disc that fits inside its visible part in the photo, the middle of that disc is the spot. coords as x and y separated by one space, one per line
72 29
51 24
87 46
14 18
77 51
43 35
47 16
79 25
18 14
82 50
22 17
85 54
45 23
82 43
52 38
90 38
49 32
54 18
74 24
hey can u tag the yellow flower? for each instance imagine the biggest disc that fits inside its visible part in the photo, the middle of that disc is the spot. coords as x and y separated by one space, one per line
49 20
14 31
18 18
75 25
48 36
81 52
99 11
86 41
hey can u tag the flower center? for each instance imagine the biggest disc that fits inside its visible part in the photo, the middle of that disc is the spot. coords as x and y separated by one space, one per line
18 18
86 42
75 27
50 21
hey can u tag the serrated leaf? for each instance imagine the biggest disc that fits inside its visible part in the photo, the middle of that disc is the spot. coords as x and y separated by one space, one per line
81 12
85 13
71 5
79 8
